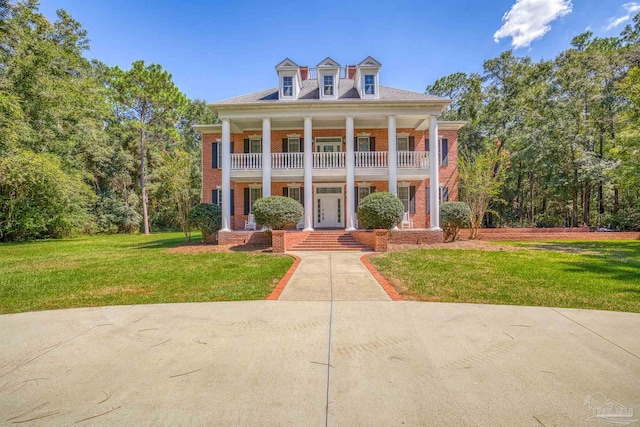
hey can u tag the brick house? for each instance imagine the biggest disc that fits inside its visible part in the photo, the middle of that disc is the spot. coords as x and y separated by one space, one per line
328 136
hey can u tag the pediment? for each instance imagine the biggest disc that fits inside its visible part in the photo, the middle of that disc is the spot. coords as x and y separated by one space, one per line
370 62
328 63
287 64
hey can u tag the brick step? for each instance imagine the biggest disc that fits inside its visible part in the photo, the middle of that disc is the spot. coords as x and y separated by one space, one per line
330 241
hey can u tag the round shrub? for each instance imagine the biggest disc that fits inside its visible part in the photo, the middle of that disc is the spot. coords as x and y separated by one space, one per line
206 217
275 212
453 216
380 210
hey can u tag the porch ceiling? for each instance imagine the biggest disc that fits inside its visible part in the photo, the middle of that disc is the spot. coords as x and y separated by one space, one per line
330 122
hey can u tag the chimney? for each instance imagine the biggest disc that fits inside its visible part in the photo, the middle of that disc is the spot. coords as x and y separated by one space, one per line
351 71
304 73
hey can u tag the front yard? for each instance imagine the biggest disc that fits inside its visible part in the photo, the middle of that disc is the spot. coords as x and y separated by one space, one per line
597 275
128 269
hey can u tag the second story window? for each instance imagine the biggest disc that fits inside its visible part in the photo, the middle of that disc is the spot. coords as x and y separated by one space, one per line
402 144
363 143
287 86
255 146
369 84
327 87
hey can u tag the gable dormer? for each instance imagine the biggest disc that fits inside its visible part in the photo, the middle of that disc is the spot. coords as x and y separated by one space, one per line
368 78
328 78
290 81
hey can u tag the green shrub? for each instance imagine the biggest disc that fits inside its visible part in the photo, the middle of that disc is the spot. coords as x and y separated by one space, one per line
207 218
627 219
380 210
453 216
275 212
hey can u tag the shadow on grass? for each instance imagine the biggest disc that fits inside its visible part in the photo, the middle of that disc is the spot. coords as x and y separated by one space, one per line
160 244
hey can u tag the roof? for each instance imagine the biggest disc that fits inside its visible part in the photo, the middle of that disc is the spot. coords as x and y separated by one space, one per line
346 92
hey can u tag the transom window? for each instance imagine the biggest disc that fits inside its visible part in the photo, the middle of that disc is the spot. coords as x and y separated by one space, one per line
363 192
255 146
294 145
255 193
295 194
363 143
403 195
402 144
369 84
327 88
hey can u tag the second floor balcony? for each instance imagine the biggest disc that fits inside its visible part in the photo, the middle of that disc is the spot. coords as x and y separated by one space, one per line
368 164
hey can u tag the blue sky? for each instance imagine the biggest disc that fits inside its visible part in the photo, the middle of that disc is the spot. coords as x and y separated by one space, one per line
219 49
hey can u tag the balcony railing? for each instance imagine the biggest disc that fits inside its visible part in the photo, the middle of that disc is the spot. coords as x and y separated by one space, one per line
328 160
287 161
321 160
413 159
371 159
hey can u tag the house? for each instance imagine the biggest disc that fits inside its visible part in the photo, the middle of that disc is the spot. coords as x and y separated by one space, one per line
327 137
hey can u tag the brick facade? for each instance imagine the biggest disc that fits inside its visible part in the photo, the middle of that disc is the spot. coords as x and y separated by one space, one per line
212 178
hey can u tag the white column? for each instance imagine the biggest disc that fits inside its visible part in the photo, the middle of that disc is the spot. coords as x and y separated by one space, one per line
226 175
308 175
393 157
266 157
434 175
351 163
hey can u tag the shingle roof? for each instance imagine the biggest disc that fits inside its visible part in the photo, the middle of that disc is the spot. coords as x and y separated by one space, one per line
346 92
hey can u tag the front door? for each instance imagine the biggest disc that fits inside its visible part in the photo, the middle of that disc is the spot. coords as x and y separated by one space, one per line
329 207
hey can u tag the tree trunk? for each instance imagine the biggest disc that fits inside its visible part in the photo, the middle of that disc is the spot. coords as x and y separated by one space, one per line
143 187
532 195
600 190
574 214
586 204
616 200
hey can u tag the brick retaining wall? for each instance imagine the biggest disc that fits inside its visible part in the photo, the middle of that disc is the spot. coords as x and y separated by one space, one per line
576 233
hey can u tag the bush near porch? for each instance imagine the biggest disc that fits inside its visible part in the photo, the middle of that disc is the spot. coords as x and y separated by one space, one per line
380 210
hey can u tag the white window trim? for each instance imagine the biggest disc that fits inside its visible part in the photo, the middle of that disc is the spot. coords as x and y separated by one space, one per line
408 187
360 197
368 138
297 187
251 140
295 139
251 190
405 138
334 74
364 85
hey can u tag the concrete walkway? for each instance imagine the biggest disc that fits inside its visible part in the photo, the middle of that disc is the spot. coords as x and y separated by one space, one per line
332 276
339 363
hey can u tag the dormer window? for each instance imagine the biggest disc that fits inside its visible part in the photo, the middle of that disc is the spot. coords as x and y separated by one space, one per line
327 87
369 84
287 86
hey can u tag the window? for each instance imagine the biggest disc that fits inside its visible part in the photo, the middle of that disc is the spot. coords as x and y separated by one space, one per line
369 84
443 196
254 194
287 86
402 144
403 195
294 145
327 88
363 143
296 194
362 193
255 146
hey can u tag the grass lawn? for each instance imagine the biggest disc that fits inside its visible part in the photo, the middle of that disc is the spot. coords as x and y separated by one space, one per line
128 269
597 275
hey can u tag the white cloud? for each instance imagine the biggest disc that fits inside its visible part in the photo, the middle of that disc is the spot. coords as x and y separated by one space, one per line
631 8
528 20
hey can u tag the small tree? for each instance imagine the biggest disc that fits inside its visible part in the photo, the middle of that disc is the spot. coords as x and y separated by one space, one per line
481 177
207 218
380 210
453 216
275 212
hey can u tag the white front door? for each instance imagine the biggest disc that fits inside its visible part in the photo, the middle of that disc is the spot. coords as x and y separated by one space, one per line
329 207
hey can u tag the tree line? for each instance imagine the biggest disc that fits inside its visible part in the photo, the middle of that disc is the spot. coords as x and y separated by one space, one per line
571 126
84 147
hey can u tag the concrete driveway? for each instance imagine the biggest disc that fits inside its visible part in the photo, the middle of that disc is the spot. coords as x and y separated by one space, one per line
338 363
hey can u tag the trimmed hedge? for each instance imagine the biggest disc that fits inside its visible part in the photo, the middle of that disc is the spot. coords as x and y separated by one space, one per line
453 216
380 210
207 218
275 212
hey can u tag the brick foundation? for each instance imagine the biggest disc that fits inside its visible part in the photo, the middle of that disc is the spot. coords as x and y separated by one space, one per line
278 240
254 238
415 237
533 234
